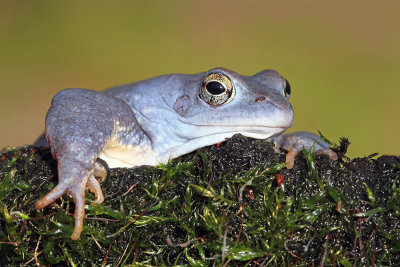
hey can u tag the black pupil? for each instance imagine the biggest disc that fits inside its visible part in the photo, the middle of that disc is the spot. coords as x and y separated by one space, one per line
215 88
287 87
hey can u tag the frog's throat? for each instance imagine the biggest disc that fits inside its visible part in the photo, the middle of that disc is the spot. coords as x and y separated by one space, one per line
117 154
190 145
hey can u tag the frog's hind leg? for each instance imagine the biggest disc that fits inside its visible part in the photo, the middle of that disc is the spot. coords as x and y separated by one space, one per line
79 125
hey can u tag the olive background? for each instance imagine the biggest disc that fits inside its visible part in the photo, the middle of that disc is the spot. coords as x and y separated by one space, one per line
342 58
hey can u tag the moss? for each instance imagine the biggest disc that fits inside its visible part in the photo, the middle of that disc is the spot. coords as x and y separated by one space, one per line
232 204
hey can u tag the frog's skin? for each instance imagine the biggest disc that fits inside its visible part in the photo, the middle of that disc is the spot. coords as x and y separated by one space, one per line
149 122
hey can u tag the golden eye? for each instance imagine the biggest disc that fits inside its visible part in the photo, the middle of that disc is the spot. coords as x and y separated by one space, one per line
217 89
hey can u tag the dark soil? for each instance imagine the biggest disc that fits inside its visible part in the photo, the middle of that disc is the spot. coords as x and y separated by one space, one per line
233 204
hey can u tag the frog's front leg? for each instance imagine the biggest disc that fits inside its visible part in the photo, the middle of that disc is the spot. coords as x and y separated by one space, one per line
79 125
295 142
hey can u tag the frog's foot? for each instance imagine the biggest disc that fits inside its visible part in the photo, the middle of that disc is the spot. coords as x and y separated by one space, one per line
79 180
293 151
295 142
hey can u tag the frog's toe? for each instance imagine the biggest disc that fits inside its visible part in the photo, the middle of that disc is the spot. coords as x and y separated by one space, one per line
52 196
332 155
290 156
79 198
94 186
100 170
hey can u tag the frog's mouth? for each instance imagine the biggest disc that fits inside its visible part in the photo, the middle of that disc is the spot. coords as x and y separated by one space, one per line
254 131
258 132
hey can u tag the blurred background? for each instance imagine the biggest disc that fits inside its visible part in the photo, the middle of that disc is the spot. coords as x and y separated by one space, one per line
342 58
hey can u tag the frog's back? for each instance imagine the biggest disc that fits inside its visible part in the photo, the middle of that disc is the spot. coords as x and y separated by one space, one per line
150 89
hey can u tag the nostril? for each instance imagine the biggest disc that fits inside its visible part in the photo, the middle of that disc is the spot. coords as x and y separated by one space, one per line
260 99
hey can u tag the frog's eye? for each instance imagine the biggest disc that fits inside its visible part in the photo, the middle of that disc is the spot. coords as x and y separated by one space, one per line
217 89
286 88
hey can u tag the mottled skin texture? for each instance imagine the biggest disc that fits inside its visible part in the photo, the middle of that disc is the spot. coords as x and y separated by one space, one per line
151 121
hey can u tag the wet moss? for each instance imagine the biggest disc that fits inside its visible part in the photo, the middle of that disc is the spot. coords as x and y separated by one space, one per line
233 204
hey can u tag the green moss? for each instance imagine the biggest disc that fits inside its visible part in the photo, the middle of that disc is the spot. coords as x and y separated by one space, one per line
217 205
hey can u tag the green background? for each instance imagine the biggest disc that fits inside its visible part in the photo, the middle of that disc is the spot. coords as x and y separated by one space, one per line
342 58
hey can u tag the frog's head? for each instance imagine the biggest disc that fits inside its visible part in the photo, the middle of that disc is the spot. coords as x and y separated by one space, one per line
255 106
207 108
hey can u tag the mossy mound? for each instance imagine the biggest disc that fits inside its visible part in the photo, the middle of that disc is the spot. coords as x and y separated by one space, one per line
233 204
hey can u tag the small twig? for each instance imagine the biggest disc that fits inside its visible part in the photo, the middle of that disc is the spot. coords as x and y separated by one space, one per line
41 218
108 252
26 263
97 243
373 235
135 257
113 194
36 249
309 241
213 258
226 263
45 181
123 254
321 264
291 253
182 245
359 221
130 188
133 246
241 223
101 219
264 261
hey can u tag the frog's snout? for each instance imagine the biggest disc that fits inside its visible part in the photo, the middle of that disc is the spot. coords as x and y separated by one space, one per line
279 113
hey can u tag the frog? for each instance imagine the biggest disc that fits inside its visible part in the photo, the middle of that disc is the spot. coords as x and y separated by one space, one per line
155 120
